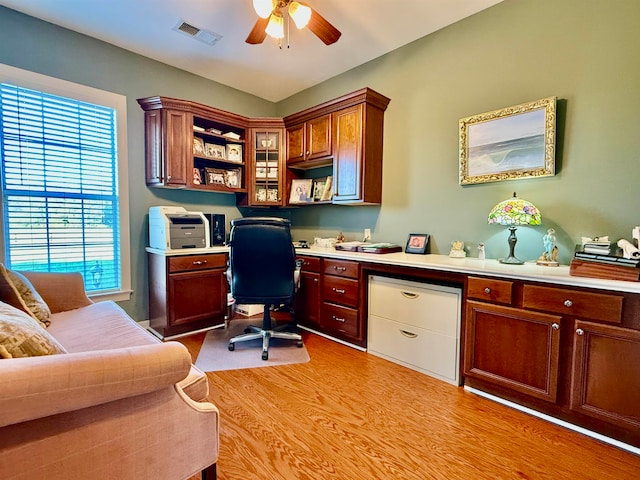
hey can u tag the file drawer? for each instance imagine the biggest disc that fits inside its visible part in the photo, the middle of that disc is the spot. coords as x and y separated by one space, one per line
490 290
341 268
340 319
340 290
184 263
432 307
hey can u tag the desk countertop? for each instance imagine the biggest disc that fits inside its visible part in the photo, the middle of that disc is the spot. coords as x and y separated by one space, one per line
474 266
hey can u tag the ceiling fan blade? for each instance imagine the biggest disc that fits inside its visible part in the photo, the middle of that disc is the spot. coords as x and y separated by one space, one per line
323 29
258 33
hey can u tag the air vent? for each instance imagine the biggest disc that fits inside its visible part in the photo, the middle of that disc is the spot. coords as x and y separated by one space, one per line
200 34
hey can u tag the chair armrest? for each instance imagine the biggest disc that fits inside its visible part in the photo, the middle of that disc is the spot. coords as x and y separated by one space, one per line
37 387
60 291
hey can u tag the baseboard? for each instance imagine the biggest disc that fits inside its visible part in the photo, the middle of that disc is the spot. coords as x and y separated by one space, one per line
562 423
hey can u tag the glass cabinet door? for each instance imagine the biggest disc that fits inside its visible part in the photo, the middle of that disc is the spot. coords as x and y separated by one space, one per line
267 168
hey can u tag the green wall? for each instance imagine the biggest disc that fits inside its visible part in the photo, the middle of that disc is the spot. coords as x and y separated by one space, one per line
582 51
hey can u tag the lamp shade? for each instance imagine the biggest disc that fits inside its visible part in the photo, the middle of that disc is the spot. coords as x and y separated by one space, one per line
263 7
515 211
275 27
301 14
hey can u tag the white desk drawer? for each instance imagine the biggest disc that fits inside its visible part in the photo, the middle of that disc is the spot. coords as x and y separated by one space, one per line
423 350
432 307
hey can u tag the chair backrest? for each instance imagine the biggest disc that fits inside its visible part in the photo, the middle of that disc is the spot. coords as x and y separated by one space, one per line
262 260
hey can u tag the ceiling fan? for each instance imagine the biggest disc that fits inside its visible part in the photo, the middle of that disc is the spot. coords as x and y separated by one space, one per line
271 21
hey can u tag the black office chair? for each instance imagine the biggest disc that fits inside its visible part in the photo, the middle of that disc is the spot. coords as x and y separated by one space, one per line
262 270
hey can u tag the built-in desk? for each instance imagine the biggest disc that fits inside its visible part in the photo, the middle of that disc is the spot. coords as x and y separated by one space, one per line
561 345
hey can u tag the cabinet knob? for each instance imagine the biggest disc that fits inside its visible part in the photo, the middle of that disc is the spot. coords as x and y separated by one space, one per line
555 326
308 152
315 280
568 303
487 290
580 331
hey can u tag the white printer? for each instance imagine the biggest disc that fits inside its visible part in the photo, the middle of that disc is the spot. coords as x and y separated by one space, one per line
172 228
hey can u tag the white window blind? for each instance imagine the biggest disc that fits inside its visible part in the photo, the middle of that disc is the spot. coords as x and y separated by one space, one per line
59 186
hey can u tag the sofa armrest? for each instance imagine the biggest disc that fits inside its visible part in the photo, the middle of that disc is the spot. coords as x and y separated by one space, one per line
60 291
37 387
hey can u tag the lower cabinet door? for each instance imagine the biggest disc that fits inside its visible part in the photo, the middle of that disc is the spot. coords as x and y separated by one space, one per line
308 300
196 296
606 373
513 348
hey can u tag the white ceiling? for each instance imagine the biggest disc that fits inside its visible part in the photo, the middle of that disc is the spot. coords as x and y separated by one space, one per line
370 28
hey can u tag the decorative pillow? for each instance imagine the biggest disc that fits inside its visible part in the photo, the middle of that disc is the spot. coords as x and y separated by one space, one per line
22 336
17 291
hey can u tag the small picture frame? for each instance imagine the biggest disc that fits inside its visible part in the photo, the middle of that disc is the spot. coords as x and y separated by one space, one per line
234 152
261 194
233 178
417 243
272 195
212 150
318 188
301 190
327 193
197 177
215 176
198 147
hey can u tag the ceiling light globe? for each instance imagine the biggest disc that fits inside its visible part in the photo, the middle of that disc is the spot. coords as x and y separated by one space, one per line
275 27
301 14
263 7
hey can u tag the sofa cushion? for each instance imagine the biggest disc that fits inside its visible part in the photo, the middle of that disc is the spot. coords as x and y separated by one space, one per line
17 291
23 336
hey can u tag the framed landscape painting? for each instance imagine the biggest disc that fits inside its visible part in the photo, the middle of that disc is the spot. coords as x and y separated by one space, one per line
510 143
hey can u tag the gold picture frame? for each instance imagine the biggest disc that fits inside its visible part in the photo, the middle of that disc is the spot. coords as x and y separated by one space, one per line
511 143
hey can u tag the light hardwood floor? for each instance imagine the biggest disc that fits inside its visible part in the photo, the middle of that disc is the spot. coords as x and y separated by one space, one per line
348 415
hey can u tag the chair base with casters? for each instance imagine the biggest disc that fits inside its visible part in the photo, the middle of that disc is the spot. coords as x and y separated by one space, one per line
266 332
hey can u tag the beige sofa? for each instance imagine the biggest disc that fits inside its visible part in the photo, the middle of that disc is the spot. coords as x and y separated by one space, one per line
118 404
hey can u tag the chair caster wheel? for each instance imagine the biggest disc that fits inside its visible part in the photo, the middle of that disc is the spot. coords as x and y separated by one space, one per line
299 344
265 355
231 347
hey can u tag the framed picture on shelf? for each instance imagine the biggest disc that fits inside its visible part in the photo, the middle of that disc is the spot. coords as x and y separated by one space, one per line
261 194
212 150
318 188
215 176
198 147
233 178
234 152
301 190
197 177
327 193
272 172
261 172
417 243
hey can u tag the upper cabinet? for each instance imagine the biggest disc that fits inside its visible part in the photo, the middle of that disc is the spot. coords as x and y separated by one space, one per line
310 140
192 146
196 147
345 133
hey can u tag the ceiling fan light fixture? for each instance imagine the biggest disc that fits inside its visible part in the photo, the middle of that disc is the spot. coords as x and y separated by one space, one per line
300 13
264 7
275 27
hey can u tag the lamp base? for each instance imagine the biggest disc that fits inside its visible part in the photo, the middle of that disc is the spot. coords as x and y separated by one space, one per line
511 260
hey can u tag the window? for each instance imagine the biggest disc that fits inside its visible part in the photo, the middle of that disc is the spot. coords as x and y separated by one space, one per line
61 201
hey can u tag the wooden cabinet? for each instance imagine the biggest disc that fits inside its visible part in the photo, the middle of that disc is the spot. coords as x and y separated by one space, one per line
186 292
606 373
193 146
351 147
568 352
513 348
310 140
340 310
307 308
265 172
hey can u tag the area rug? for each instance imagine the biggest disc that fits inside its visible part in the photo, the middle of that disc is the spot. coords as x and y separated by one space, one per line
214 355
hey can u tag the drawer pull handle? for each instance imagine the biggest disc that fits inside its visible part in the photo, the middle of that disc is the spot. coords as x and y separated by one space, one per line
487 290
408 334
340 269
568 303
199 262
580 331
555 326
339 290
338 319
409 295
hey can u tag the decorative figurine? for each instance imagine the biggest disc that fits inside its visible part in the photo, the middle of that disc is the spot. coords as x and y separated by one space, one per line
481 251
457 249
340 238
549 257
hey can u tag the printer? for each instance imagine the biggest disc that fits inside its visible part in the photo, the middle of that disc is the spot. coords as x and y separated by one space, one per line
173 228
